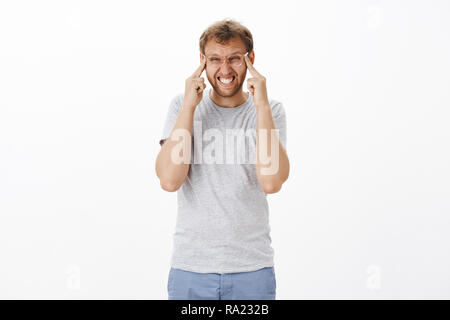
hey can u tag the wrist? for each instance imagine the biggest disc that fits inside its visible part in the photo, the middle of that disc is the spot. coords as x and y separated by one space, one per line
262 105
188 108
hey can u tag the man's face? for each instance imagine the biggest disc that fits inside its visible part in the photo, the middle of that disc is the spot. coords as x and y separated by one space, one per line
225 71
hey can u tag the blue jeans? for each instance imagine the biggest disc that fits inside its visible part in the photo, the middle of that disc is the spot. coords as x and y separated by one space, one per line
253 285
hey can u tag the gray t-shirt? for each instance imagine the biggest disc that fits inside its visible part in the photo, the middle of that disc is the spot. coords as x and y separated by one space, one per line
222 224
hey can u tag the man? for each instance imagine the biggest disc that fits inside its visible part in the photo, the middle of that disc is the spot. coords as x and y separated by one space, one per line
222 244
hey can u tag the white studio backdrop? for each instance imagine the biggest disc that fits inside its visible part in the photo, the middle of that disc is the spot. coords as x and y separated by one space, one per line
84 91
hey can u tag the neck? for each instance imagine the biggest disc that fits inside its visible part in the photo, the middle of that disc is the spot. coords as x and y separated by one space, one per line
229 102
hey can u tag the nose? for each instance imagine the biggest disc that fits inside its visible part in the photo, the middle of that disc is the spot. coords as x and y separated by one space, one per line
225 68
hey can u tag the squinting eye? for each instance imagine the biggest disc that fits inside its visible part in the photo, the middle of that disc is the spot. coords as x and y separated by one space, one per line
235 58
214 59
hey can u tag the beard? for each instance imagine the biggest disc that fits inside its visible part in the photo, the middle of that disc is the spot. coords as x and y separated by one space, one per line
229 92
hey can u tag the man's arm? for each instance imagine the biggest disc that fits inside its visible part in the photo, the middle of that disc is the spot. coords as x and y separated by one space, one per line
171 174
272 163
170 170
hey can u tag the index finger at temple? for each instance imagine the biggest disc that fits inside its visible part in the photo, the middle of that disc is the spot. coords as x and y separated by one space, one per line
200 69
250 66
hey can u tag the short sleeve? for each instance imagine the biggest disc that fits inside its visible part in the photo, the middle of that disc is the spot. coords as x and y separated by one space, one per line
279 117
171 117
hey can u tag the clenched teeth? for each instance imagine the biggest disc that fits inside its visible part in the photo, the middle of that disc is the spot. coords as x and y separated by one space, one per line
226 80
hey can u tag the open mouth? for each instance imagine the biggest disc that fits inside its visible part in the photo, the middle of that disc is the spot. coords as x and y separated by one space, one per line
226 81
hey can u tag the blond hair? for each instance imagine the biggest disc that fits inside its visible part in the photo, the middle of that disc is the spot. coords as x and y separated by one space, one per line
222 31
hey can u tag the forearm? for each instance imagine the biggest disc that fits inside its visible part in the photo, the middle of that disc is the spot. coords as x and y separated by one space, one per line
272 163
170 170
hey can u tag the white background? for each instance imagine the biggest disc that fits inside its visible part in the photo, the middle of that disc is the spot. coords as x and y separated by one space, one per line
84 91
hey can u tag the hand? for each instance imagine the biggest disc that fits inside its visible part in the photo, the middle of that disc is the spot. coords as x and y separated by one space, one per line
195 85
256 85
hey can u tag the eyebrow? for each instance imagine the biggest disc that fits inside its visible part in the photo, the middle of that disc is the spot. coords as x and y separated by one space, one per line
216 54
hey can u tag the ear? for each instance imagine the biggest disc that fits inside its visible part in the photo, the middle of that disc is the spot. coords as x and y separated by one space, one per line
251 56
201 56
